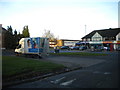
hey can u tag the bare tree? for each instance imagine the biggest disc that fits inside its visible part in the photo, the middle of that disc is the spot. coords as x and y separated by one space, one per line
49 35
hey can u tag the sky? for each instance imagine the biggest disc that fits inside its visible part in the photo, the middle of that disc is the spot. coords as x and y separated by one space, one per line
66 19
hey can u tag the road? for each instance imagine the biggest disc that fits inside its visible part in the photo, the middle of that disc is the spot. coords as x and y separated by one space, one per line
99 75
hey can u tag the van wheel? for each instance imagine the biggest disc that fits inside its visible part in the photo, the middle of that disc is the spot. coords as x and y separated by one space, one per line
16 54
39 57
26 55
32 56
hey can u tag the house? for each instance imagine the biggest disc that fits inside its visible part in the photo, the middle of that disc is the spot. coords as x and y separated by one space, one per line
2 36
63 42
106 37
67 42
52 43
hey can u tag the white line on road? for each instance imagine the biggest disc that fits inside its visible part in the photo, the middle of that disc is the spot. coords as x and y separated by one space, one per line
107 73
57 81
67 83
97 72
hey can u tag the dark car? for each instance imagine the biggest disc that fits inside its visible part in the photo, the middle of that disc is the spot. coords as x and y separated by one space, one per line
74 48
118 49
108 49
100 48
65 47
83 48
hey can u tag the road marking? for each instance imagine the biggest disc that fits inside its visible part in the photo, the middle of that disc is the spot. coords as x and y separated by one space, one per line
100 83
67 83
57 81
96 72
107 73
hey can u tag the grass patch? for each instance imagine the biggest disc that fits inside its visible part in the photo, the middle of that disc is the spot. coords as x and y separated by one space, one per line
18 65
79 54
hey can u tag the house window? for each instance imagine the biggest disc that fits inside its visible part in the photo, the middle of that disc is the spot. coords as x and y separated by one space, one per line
88 39
110 38
85 40
96 38
113 38
52 43
106 38
119 39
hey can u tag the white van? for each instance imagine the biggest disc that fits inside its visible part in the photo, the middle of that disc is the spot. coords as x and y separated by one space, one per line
33 46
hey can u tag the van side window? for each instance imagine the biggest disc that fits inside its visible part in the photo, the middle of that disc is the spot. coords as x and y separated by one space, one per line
19 46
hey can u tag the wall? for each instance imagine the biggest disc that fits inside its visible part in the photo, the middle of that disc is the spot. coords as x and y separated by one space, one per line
59 43
0 36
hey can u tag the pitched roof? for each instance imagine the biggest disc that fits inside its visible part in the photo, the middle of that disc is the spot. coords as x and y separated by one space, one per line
104 33
3 30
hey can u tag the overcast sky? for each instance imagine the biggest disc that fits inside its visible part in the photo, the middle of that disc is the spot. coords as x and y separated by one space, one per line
64 18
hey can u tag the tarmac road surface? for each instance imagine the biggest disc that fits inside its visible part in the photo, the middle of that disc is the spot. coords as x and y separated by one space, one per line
98 75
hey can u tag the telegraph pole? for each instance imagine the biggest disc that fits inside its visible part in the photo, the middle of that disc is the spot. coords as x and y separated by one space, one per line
85 34
85 29
119 14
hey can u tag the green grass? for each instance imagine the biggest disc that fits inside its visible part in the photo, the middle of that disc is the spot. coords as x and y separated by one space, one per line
18 65
78 54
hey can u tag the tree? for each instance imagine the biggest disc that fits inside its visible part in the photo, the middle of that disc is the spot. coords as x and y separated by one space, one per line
25 31
9 28
9 39
12 39
16 38
19 36
15 32
49 35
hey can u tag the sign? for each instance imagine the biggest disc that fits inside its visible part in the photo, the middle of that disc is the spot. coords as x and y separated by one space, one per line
35 50
107 42
118 42
34 45
95 42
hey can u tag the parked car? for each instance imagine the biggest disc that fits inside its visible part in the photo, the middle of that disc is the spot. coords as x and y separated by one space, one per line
100 48
65 47
107 48
83 48
118 49
74 48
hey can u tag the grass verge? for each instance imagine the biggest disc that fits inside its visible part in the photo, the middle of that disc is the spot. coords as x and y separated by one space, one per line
79 54
21 68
